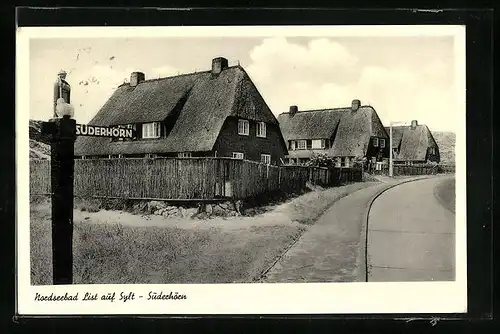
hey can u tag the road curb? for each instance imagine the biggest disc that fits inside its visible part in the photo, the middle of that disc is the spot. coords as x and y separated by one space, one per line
362 259
264 273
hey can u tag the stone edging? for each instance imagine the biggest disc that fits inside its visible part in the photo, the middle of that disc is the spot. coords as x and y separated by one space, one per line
362 259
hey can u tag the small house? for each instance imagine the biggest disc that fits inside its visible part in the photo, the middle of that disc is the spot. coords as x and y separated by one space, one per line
345 134
214 113
413 144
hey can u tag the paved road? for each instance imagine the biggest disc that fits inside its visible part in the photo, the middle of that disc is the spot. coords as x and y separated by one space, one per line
411 236
331 250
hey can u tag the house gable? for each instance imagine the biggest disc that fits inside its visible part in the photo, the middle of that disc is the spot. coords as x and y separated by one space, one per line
349 129
249 104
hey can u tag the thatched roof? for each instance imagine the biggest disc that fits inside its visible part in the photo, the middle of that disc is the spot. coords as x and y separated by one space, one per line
350 130
412 143
203 102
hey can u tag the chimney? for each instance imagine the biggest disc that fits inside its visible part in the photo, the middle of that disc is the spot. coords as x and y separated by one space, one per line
414 124
136 78
293 110
218 65
355 105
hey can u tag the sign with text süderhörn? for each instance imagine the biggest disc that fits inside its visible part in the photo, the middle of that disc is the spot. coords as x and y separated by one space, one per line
103 131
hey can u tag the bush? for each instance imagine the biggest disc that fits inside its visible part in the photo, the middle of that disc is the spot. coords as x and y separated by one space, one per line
324 160
88 204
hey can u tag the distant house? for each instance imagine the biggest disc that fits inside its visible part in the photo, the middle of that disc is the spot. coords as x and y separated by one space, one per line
413 144
215 113
341 133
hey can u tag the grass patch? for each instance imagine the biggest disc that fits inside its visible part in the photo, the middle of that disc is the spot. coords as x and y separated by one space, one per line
115 254
307 208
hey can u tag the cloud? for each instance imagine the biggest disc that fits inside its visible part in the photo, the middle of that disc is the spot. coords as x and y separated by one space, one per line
163 71
326 74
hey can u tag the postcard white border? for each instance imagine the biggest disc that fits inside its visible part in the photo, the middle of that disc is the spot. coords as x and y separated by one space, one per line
275 298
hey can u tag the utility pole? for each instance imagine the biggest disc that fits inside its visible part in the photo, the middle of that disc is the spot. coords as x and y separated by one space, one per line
390 151
391 159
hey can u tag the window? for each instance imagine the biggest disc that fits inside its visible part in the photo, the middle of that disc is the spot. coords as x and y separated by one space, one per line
238 155
243 127
151 130
318 143
265 158
301 145
375 142
346 162
382 142
185 155
150 156
432 150
309 144
292 144
261 129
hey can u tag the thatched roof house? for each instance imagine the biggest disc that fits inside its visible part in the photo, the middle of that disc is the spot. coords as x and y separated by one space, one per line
218 112
413 144
344 133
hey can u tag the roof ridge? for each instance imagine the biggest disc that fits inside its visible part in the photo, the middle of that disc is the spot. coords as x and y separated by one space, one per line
326 109
178 75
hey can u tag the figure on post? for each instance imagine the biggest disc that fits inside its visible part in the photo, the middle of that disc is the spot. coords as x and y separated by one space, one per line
62 89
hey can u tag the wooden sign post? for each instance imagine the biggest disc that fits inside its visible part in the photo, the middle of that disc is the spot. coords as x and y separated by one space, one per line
62 132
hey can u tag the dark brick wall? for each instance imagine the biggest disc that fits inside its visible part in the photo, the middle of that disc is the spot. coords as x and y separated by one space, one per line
230 141
433 157
377 151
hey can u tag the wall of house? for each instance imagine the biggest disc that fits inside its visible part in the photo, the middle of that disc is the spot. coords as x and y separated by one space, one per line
433 157
230 141
378 152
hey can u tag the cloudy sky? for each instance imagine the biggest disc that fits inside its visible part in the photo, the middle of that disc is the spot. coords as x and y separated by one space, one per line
403 78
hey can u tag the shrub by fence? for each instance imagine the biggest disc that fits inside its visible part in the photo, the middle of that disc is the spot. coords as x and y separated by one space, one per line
186 178
446 168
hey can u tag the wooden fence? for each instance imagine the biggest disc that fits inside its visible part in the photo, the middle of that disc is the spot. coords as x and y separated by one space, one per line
415 170
186 178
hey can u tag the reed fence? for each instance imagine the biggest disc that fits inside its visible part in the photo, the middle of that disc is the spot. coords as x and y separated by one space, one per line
186 178
414 170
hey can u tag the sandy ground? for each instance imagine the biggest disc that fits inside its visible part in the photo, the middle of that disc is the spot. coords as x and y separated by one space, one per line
309 204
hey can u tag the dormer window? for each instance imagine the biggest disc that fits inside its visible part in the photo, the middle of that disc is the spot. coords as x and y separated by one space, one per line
382 143
319 143
375 142
151 130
